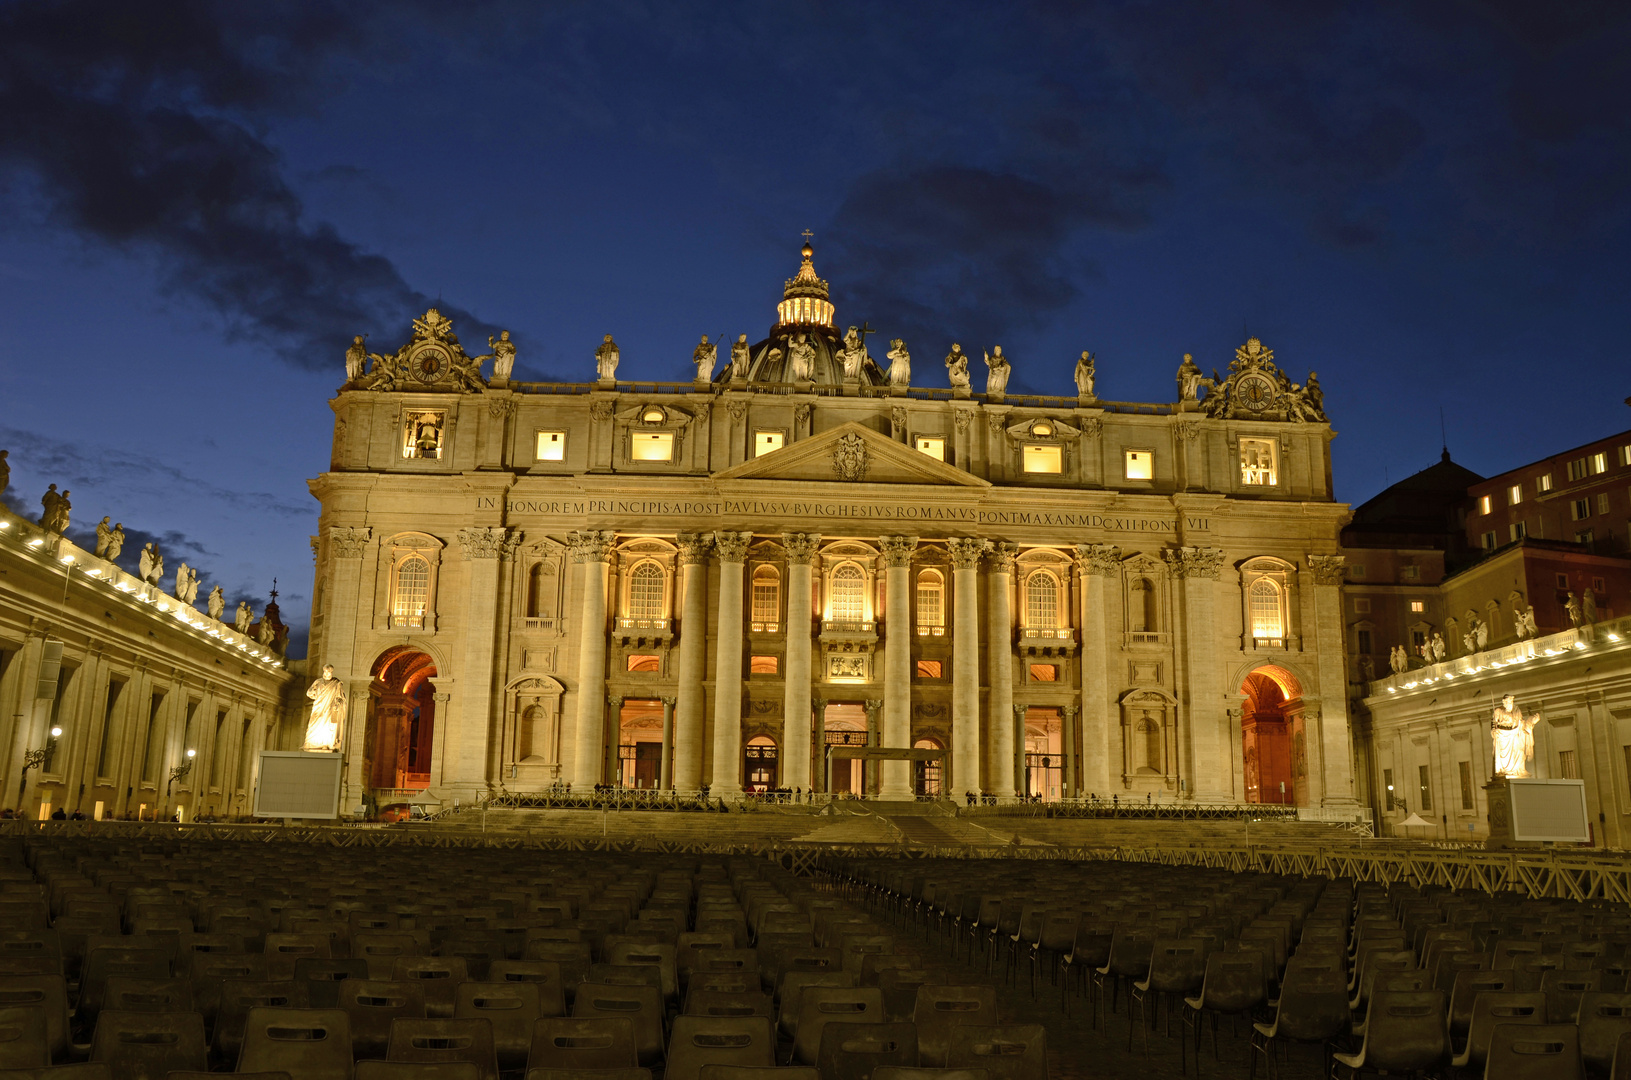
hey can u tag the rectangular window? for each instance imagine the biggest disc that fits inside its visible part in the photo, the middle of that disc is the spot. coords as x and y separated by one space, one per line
1567 767
1598 587
1602 503
929 669
551 446
1543 483
1044 672
1516 531
1580 509
1259 462
1584 537
651 446
1365 643
1624 456
115 688
762 665
1043 459
1418 638
1362 605
1139 464
422 435
1357 573
1417 607
644 662
1387 789
1489 541
1410 573
1514 495
1577 469
412 592
930 615
1599 463
1485 504
935 447
1424 787
1562 581
1464 770
766 441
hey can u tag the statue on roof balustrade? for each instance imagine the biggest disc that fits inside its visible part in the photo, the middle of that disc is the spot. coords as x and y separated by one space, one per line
606 359
704 356
739 359
852 355
900 364
503 355
957 367
1086 375
800 359
997 371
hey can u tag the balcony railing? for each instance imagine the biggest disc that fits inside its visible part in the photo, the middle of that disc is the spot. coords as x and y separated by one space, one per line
657 626
836 626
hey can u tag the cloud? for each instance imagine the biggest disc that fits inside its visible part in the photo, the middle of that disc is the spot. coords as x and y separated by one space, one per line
140 126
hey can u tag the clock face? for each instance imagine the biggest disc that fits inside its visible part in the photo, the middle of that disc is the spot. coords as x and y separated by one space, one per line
429 365
1255 392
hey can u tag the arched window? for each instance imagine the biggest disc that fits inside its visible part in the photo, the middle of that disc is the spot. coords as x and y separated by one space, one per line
1267 619
931 609
412 592
1042 601
767 598
646 591
848 594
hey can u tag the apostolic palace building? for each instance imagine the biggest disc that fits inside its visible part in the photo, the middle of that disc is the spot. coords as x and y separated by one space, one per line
747 581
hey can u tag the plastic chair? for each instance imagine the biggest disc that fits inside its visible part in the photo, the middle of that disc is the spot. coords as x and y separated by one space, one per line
1490 1009
1603 1019
1234 985
642 1005
381 948
571 956
1313 1008
725 1003
791 995
81 1070
323 975
417 1070
940 1009
428 1041
575 1044
1404 1032
46 992
282 950
701 1041
238 997
1177 968
439 976
1563 990
313 1044
372 1005
511 1007
1129 959
25 1039
823 1005
1004 1051
853 1051
1468 985
104 961
1620 1068
124 994
1533 1052
147 1045
898 1072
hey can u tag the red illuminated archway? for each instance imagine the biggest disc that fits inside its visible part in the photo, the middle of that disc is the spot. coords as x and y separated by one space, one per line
402 703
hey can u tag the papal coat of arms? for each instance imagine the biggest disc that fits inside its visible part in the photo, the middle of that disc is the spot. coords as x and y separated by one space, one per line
850 458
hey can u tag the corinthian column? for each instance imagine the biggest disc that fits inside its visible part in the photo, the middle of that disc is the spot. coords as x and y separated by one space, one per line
896 780
800 548
693 660
727 775
1000 769
964 773
592 550
1098 565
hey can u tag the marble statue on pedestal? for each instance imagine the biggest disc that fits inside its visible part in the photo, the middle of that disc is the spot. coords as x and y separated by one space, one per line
1588 607
356 358
327 696
957 367
704 356
150 564
1085 376
1425 650
606 358
244 617
800 359
1314 397
265 632
1513 734
852 354
739 358
217 603
1438 647
503 355
1367 667
116 541
1572 606
1527 618
1189 380
104 537
54 510
900 364
997 371
1480 633
186 584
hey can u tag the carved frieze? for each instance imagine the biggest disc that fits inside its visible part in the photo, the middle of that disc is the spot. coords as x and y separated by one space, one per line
349 541
485 542
1194 562
1099 560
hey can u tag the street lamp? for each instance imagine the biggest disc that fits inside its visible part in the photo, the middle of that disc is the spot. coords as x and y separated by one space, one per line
35 759
180 771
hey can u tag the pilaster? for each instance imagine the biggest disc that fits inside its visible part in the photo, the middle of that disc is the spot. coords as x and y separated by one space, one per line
1330 717
346 547
896 781
963 774
1000 643
592 551
464 763
1098 565
693 652
732 548
1209 768
795 749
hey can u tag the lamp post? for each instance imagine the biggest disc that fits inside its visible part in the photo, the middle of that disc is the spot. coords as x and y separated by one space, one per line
35 759
177 773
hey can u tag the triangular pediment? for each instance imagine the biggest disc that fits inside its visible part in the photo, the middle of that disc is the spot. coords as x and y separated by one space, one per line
851 453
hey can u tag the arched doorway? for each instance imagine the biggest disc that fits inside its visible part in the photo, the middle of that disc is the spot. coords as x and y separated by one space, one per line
402 703
926 774
759 764
1266 737
844 724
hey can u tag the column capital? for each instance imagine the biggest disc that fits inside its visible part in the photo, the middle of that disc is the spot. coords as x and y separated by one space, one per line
669 702
1327 569
694 548
1194 562
349 541
872 706
1020 711
1069 711
590 546
897 550
732 547
614 700
800 547
1098 560
1002 557
484 542
966 551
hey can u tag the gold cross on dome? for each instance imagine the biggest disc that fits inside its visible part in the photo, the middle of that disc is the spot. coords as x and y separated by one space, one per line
808 234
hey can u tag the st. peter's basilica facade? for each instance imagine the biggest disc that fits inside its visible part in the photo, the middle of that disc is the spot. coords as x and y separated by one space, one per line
716 583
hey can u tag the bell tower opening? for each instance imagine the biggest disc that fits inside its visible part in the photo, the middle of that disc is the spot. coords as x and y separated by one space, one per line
1265 741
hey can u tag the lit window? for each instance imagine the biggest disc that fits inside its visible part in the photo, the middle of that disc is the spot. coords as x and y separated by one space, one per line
1425 787
1485 504
762 665
848 594
1516 531
928 669
1599 463
1259 464
1577 469
653 415
646 591
1417 607
1139 464
1044 672
1514 495
651 445
1264 600
766 441
412 592
1042 429
1625 455
1043 459
1464 772
645 663
1543 483
934 447
551 446
767 596
1042 601
930 594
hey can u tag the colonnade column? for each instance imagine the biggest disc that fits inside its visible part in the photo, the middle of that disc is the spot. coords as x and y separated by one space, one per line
819 721
1022 784
727 775
965 665
869 769
1210 767
896 776
665 769
693 660
1000 769
800 548
592 550
1330 716
1096 564
1067 744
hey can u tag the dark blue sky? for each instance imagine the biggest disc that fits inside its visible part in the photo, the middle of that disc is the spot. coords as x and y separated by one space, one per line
1425 202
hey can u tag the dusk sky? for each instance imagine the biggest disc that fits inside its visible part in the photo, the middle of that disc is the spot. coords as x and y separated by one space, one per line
1425 202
